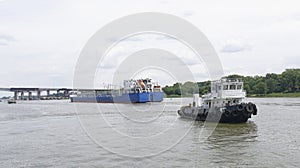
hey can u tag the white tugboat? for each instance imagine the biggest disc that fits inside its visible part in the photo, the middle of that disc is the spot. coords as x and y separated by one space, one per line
224 104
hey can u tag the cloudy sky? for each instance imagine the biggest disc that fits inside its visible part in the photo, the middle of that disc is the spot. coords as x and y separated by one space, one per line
40 41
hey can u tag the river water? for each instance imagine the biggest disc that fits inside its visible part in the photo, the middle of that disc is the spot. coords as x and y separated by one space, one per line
63 134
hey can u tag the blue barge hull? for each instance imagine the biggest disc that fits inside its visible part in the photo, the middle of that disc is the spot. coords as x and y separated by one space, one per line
124 98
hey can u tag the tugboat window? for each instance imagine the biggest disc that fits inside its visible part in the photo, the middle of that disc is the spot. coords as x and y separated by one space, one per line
225 87
232 87
239 87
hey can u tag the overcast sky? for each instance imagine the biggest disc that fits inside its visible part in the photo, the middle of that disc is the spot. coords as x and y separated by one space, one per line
40 41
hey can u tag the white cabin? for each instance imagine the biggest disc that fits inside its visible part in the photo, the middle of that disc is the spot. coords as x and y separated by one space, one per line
224 92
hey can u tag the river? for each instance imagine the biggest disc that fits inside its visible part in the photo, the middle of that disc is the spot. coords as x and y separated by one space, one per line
57 133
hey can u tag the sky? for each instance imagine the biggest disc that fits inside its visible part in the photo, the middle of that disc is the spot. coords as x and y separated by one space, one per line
40 41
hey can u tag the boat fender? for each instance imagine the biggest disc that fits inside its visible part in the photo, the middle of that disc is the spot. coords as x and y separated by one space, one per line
255 110
226 113
249 108
240 107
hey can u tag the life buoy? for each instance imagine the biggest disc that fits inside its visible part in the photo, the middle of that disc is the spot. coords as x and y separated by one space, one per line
240 107
249 108
226 113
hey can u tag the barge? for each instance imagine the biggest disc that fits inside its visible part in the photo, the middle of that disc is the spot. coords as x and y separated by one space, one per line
133 91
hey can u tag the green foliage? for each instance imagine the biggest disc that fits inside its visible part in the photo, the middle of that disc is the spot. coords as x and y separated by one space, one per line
260 88
173 90
271 84
189 88
204 87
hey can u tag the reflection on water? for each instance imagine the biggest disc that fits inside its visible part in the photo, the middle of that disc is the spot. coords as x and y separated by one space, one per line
232 134
228 145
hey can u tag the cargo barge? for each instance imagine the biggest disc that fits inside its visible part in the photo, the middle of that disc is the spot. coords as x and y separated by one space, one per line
133 91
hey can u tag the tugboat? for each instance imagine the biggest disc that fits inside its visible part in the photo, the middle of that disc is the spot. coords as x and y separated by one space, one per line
224 104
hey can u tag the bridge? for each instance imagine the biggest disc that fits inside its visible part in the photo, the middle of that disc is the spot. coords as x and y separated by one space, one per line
19 92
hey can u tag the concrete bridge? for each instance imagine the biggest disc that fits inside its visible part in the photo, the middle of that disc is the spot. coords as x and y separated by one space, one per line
19 92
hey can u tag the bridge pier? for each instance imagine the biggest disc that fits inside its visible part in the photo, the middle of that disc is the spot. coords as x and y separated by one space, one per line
22 95
16 95
66 93
29 95
38 95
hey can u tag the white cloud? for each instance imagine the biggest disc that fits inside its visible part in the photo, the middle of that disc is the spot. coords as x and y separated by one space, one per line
188 13
232 46
5 39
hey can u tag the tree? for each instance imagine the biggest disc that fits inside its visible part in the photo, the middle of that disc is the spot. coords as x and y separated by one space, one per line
291 77
177 88
168 90
189 88
271 85
260 88
287 81
204 87
247 88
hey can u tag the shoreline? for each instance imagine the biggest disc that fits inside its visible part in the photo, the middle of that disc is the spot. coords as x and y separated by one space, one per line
274 95
270 95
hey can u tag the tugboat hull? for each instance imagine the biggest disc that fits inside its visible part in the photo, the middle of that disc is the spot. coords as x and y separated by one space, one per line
230 114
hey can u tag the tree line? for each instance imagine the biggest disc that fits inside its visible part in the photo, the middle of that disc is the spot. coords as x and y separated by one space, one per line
286 82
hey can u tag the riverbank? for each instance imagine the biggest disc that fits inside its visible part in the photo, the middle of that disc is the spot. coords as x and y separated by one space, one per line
297 94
